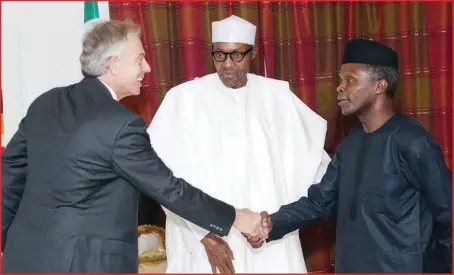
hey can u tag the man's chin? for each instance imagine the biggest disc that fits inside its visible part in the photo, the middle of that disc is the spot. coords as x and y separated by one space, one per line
135 92
228 84
132 93
346 112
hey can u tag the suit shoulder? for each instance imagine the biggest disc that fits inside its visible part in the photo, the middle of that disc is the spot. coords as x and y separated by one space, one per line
409 132
49 96
52 93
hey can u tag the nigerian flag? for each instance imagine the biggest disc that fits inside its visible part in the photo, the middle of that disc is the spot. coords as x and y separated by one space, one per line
91 11
91 14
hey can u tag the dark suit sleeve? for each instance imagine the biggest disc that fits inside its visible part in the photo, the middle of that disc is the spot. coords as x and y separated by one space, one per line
135 160
14 174
428 171
321 203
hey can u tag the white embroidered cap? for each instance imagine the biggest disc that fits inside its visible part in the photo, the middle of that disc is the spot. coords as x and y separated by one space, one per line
233 29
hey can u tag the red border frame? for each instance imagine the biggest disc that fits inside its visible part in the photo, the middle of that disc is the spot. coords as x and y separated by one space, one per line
2 145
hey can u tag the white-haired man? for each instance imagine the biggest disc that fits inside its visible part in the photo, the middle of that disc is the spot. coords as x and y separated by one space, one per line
72 172
244 139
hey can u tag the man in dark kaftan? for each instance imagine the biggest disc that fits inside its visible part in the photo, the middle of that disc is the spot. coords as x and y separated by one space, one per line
388 184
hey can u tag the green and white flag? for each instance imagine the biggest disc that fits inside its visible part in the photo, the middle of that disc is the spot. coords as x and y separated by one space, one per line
91 11
91 15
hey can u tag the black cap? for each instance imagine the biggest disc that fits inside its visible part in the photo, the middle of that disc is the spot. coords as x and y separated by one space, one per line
371 53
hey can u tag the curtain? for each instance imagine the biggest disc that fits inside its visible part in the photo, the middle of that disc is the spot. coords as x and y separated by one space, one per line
303 43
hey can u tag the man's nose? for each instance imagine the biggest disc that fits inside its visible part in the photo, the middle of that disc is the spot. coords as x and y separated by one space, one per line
340 88
228 63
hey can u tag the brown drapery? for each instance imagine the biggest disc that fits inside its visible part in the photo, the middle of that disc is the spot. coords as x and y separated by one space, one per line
303 42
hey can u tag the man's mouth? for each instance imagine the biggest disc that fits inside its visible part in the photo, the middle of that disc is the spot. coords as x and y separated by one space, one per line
139 79
228 73
341 101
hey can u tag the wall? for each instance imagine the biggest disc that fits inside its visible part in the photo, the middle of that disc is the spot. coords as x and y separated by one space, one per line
41 44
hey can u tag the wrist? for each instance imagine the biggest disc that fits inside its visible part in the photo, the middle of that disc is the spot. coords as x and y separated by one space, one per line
205 238
237 216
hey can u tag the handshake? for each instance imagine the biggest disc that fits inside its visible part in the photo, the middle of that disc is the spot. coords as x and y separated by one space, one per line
254 227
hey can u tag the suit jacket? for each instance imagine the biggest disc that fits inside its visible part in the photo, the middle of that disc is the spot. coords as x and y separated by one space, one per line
71 180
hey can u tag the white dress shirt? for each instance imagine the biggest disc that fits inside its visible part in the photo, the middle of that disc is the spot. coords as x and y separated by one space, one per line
114 95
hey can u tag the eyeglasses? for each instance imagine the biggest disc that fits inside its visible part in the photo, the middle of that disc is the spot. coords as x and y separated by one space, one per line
236 56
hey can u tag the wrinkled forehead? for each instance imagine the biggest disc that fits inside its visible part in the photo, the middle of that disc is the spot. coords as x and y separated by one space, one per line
230 47
352 69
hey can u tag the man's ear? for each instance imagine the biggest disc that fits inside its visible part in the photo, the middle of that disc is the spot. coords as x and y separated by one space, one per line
112 65
255 49
381 86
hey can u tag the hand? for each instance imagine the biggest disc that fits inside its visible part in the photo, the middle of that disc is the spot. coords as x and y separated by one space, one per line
266 224
219 253
248 222
265 229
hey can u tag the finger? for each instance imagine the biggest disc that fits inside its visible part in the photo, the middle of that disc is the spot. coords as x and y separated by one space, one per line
254 239
213 268
246 235
264 232
269 223
230 252
265 221
264 215
258 244
230 266
222 266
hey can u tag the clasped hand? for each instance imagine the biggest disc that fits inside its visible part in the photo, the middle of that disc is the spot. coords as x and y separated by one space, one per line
254 227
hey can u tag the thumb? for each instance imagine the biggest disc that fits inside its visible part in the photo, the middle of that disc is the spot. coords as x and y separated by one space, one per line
246 235
265 218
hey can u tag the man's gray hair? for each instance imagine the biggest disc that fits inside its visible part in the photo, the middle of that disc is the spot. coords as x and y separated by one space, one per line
103 41
391 75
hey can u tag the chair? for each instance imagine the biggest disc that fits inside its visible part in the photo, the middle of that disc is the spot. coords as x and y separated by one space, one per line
152 252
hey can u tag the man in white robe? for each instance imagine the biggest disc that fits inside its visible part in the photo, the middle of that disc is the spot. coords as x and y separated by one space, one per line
244 139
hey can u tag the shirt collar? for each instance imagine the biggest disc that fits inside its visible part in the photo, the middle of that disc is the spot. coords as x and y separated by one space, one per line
114 95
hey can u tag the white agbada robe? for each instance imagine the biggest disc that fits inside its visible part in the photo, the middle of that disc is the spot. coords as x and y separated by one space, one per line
256 147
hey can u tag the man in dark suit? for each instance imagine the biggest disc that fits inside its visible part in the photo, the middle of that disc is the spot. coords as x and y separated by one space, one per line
73 171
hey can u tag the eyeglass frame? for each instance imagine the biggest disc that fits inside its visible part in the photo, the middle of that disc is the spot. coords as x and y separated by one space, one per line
229 54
